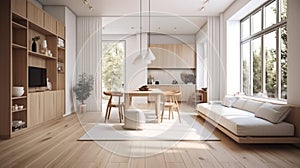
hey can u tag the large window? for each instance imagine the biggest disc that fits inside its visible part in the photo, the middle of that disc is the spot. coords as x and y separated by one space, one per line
264 51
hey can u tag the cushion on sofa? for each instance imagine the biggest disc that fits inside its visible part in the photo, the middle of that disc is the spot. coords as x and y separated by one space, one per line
252 105
239 103
229 100
273 113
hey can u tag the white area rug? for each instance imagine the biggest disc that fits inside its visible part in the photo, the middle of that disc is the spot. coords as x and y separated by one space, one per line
168 130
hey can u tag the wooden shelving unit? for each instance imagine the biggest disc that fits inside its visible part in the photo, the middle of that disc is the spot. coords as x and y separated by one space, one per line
43 56
22 21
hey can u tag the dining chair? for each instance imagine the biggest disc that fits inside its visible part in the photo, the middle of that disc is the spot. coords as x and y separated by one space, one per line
170 102
114 101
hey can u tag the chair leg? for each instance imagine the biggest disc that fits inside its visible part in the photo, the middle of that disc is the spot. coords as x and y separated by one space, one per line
109 110
162 114
120 113
106 114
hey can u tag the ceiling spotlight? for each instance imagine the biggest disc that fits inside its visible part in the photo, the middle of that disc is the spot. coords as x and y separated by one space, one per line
205 1
85 2
202 8
90 7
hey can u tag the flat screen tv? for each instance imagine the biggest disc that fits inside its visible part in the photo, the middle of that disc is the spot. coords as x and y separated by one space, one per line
37 77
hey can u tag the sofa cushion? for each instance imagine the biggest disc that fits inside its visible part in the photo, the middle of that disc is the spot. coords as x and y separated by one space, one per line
273 113
243 123
252 105
239 103
229 100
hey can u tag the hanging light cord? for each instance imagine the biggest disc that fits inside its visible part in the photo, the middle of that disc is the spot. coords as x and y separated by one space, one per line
149 28
141 28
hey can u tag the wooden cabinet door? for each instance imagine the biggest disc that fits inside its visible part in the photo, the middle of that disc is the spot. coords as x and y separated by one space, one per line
35 14
35 109
187 54
19 7
50 105
60 106
60 29
49 23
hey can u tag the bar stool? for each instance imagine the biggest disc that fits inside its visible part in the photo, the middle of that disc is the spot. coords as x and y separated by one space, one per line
171 102
111 103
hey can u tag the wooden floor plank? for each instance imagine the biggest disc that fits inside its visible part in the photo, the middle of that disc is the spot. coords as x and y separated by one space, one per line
55 145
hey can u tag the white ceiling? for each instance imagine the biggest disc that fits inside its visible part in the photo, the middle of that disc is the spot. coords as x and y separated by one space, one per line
167 16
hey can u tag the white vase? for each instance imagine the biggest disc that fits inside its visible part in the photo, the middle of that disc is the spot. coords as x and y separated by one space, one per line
82 108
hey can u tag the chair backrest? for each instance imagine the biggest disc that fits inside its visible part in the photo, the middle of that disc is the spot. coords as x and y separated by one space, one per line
113 95
172 95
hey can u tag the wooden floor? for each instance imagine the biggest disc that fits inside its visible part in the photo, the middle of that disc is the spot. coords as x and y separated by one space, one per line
56 145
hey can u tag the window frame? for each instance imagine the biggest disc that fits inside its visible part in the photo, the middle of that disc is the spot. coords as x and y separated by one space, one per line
264 31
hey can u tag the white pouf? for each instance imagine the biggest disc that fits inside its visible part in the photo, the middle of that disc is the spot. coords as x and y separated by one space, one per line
134 119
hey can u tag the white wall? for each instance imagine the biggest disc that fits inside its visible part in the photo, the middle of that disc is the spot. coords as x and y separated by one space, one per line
201 58
66 16
37 3
59 12
293 26
70 22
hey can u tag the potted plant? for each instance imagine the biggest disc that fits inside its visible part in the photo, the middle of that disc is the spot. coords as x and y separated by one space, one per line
83 89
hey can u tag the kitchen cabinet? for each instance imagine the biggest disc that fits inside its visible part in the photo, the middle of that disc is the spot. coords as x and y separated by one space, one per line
186 90
173 56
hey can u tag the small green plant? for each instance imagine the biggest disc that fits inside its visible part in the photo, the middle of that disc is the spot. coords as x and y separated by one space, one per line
84 87
35 38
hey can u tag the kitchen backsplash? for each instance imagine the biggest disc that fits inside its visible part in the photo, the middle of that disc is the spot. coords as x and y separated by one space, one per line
168 76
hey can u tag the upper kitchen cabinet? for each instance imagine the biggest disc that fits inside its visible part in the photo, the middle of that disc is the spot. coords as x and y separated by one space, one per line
19 7
173 56
35 14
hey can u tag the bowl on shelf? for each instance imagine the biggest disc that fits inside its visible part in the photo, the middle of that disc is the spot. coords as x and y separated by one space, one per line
17 91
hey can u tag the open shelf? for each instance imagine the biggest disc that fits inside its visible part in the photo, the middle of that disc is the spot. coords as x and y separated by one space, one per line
18 26
21 97
35 54
60 48
23 109
17 46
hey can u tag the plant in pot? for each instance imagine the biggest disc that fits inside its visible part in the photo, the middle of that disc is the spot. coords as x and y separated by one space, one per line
83 89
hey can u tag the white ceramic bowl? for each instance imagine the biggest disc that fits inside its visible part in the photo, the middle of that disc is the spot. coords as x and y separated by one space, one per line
17 91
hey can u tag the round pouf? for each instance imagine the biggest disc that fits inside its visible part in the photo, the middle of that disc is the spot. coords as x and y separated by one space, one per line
134 119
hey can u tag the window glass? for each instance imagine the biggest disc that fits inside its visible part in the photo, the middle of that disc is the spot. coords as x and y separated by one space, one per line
245 29
257 65
270 64
270 14
283 9
246 68
256 20
283 61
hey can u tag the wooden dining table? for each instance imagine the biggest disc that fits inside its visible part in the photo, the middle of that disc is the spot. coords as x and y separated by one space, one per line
136 93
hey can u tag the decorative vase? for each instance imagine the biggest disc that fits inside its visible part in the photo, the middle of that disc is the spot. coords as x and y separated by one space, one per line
82 108
34 46
44 47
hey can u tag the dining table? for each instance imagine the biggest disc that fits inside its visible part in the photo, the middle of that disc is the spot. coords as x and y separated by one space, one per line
137 93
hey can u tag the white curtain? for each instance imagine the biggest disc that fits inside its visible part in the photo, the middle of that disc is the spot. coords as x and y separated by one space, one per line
89 56
213 59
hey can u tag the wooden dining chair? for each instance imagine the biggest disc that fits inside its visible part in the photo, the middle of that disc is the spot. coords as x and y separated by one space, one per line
114 101
170 102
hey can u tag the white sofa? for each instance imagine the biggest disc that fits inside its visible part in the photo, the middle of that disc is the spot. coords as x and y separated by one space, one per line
251 121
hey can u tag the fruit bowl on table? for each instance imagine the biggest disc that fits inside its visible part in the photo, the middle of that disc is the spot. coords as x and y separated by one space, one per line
144 88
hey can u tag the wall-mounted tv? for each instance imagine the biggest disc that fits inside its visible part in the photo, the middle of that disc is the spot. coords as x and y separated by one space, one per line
37 77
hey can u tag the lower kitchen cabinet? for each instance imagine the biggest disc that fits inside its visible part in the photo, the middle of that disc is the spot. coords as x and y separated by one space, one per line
186 90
